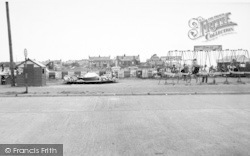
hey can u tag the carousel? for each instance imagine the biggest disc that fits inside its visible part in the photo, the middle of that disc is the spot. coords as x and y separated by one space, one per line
91 78
188 65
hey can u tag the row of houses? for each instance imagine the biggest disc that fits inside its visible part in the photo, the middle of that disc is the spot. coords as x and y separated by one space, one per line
121 62
106 62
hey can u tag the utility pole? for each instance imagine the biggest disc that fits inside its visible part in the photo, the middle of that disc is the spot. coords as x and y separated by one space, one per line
25 69
10 47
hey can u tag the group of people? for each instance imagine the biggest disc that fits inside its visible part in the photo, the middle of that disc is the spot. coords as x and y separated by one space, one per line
233 66
202 71
194 69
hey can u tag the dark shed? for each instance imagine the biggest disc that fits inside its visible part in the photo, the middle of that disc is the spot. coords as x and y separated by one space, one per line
36 73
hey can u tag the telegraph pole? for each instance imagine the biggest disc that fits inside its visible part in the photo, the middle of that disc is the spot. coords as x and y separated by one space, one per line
10 47
25 69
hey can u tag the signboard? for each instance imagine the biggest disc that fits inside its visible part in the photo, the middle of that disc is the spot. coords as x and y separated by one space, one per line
208 48
211 28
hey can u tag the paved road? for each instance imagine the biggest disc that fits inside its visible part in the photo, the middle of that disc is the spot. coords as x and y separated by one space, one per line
130 86
131 125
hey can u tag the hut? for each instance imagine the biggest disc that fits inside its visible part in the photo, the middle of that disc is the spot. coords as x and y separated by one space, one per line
36 73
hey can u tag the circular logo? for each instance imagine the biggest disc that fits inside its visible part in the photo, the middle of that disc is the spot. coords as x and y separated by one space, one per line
7 150
193 34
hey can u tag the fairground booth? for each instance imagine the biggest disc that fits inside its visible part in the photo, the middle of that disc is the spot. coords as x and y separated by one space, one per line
36 73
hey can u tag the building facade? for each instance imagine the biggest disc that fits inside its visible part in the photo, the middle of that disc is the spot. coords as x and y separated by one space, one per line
100 62
126 61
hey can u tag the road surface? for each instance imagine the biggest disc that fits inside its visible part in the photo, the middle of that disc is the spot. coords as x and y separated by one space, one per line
130 125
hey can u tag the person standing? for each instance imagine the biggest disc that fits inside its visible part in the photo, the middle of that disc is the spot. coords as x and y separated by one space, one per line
195 69
174 69
204 74
2 66
185 70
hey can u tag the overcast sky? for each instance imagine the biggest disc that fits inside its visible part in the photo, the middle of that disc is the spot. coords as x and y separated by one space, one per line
77 29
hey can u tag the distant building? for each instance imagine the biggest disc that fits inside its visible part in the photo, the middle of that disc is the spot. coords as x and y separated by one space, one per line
83 62
100 62
155 61
53 64
68 62
126 61
5 66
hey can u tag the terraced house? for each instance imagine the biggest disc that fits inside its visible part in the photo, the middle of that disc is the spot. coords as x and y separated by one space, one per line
126 61
100 61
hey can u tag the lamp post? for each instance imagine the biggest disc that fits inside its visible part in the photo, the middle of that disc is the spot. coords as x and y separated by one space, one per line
26 73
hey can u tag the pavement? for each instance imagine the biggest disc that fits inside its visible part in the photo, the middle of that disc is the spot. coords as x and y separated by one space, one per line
125 87
130 125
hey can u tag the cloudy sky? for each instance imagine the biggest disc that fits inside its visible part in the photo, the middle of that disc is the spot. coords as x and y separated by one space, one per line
77 29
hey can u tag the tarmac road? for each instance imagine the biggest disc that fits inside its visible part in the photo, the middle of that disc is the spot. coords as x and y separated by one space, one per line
130 86
130 125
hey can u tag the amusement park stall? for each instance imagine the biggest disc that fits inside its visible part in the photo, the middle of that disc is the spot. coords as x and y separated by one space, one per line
241 62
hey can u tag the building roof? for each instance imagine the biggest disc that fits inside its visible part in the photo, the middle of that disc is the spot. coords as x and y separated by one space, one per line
48 61
154 58
7 64
83 60
144 65
128 58
99 58
32 62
